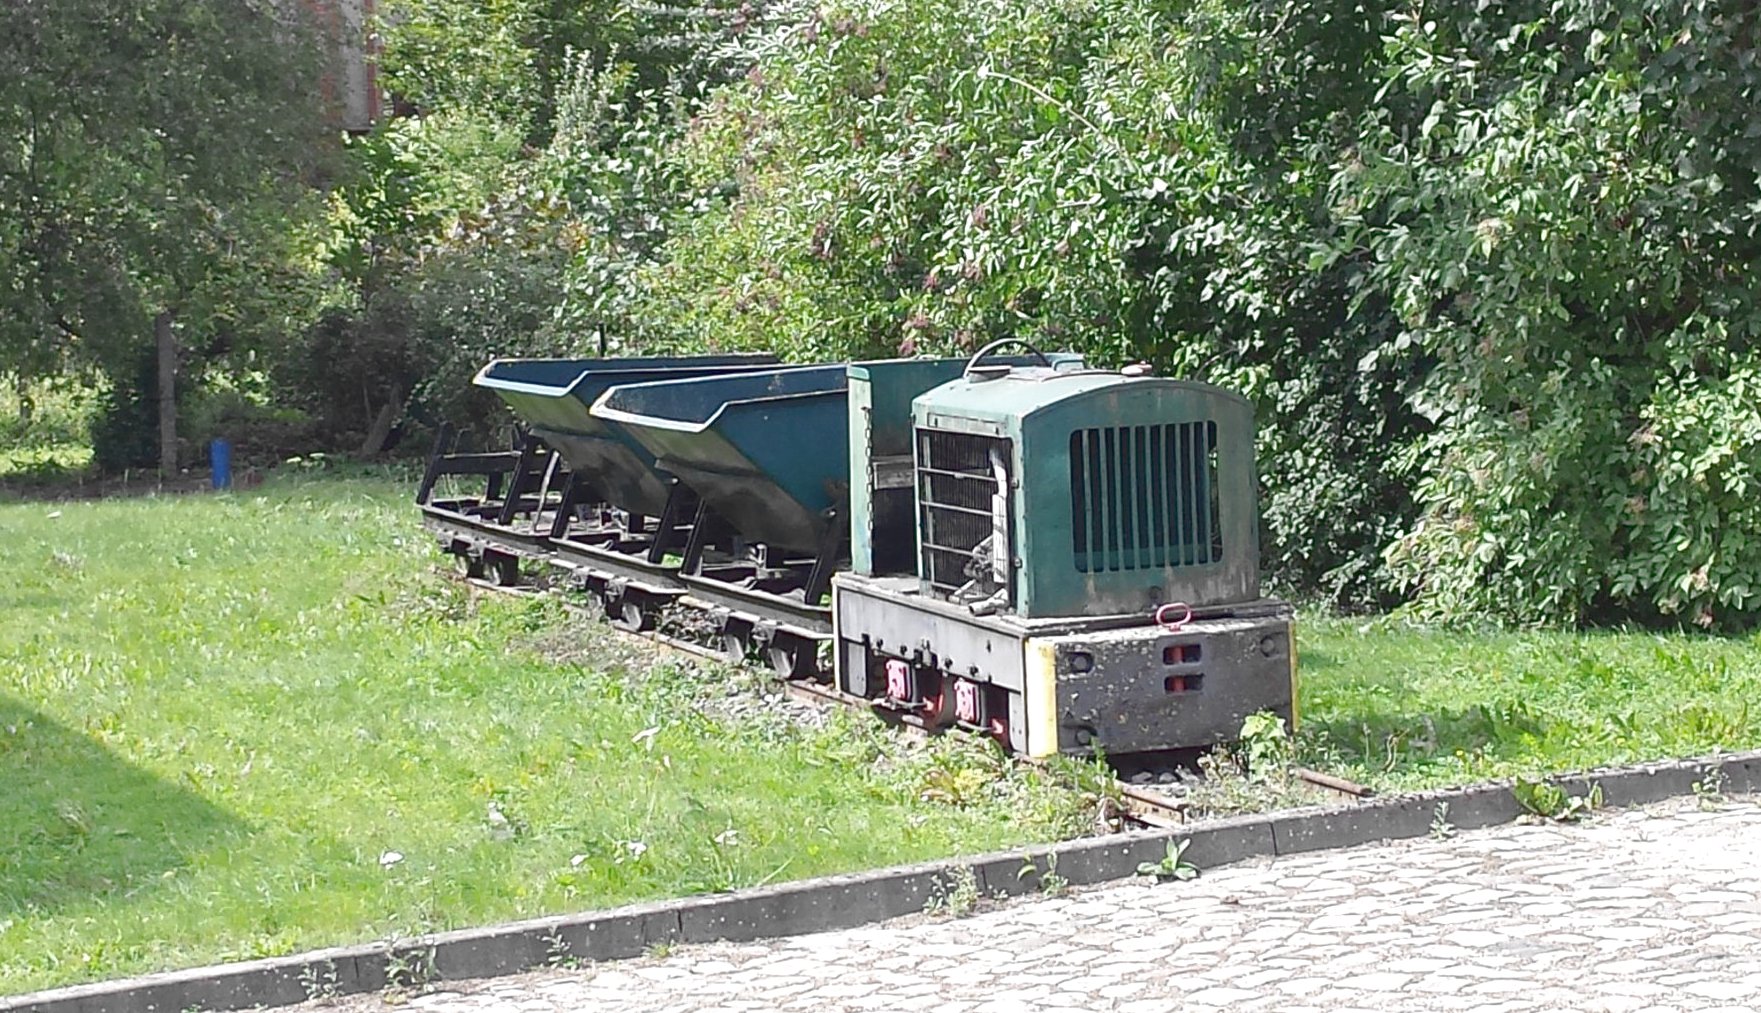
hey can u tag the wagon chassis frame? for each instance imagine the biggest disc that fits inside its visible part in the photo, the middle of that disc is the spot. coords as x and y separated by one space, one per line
528 513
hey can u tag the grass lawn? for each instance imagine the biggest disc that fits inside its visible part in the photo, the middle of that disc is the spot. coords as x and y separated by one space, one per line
244 725
1403 707
220 716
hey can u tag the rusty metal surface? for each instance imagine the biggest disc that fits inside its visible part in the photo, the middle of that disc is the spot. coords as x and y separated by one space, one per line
1335 783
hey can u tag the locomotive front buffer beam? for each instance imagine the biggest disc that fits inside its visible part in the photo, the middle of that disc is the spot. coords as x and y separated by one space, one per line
1112 685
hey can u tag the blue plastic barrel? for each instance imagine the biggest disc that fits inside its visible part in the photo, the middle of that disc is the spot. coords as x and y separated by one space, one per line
220 463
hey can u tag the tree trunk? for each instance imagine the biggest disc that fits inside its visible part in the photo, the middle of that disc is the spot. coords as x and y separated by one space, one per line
380 431
25 405
167 342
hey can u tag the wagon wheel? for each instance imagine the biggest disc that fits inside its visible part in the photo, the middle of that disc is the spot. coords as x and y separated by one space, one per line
628 614
597 596
504 570
736 645
791 657
471 566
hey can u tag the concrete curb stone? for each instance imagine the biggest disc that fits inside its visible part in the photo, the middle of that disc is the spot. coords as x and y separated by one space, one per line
846 901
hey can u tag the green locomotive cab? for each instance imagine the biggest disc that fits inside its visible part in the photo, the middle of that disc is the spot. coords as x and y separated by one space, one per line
1086 565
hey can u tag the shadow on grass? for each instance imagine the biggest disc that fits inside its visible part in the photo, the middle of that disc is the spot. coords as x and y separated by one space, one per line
78 823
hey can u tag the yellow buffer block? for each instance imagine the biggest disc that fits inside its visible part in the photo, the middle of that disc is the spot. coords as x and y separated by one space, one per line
1041 698
1295 686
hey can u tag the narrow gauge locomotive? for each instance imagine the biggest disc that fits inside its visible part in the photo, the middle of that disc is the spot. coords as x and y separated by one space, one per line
1063 558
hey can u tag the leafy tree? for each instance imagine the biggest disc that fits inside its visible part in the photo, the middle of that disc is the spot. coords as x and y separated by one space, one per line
502 59
1560 202
1487 269
509 210
151 161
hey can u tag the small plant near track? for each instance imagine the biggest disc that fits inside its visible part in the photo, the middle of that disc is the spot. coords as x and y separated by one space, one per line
408 972
1441 828
1265 749
1050 883
1543 799
318 981
955 895
1709 791
1256 774
558 953
1173 866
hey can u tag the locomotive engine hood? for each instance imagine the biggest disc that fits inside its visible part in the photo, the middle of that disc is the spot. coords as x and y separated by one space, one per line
1123 493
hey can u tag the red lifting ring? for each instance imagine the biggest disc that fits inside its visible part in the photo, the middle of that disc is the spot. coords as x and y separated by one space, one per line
1174 625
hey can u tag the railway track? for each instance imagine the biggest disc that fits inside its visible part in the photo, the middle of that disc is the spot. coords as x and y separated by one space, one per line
1143 804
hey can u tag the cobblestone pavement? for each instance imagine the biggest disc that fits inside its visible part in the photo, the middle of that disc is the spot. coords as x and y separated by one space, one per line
1653 909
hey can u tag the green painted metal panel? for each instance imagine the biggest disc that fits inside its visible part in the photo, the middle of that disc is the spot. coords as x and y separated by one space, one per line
1130 492
882 509
753 445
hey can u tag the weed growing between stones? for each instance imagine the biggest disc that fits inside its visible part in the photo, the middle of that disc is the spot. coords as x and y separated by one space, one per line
319 981
1173 866
1709 791
408 972
1050 883
558 953
1441 828
1544 800
956 895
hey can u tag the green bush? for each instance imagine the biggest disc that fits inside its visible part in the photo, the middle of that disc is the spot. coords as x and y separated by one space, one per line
1560 201
903 176
125 431
1485 271
244 412
47 412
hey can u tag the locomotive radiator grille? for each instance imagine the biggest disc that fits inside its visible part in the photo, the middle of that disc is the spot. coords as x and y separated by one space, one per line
955 484
1144 497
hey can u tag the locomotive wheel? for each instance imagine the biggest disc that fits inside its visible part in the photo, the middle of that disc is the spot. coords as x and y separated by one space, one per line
630 615
504 570
938 706
790 657
471 567
736 645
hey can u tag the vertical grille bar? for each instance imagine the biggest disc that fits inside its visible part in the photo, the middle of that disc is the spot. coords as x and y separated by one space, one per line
1172 480
1142 467
1110 504
1212 532
1158 472
1097 503
1078 501
1193 495
1127 502
1201 460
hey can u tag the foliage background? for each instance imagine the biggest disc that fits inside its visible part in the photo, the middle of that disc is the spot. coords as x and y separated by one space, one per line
1486 269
